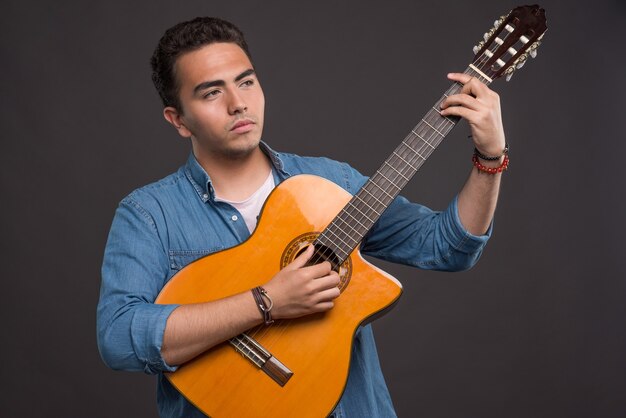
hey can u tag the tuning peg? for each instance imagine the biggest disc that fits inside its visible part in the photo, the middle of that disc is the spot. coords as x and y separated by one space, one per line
520 64
486 36
496 23
509 75
533 53
476 49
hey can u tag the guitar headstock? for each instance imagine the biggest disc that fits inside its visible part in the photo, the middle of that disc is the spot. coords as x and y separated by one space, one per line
507 46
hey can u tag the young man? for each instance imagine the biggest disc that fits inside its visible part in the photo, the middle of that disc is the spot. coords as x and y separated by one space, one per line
203 73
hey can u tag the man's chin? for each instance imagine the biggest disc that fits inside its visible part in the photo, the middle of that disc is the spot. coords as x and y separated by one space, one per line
241 149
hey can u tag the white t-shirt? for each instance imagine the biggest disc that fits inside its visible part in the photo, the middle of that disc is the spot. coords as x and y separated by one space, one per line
251 207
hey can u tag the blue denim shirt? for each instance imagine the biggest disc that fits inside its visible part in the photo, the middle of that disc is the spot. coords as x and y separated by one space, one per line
160 228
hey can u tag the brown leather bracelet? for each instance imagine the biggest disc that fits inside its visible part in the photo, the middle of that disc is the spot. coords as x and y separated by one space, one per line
258 293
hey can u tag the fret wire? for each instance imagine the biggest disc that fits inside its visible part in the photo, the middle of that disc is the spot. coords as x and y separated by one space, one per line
416 134
396 170
333 246
415 152
355 218
417 145
347 213
417 159
340 218
324 240
413 166
405 161
398 181
432 139
440 122
423 154
433 128
337 248
438 111
366 189
371 208
406 154
388 180
381 204
437 116
405 151
425 148
370 220
423 139
439 126
379 187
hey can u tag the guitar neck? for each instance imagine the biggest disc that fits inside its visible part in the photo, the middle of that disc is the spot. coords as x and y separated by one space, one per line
349 227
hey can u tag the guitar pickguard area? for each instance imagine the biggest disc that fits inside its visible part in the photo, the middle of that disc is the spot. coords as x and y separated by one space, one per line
322 253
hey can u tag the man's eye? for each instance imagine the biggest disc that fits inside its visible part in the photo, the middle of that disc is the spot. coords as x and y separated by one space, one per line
247 83
211 94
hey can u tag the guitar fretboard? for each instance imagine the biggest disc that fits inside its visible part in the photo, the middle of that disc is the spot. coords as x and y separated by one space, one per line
349 227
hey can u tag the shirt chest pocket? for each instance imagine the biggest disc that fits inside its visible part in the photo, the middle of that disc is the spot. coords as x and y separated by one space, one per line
180 258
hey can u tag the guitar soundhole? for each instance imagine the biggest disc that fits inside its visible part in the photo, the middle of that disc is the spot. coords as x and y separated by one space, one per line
322 253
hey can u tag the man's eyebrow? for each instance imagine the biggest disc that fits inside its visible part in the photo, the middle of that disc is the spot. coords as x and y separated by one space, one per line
208 84
244 74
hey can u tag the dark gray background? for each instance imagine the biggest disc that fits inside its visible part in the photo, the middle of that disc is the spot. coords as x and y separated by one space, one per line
536 329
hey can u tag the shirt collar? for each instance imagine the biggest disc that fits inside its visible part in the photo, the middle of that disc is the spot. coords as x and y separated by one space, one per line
201 181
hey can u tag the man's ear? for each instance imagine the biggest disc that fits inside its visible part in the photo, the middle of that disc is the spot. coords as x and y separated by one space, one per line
174 117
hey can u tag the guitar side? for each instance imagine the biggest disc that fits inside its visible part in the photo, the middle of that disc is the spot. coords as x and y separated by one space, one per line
315 348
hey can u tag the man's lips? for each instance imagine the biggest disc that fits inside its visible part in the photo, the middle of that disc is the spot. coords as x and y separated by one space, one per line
243 125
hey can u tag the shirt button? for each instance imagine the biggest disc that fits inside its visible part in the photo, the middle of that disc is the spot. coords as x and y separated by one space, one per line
234 217
205 196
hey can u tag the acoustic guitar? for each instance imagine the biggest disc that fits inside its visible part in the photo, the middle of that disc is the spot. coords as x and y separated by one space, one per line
299 367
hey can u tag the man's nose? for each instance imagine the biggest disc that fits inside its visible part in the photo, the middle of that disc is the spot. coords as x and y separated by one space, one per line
237 104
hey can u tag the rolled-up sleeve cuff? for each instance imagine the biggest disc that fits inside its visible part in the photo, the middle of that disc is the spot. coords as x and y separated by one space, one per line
147 328
462 240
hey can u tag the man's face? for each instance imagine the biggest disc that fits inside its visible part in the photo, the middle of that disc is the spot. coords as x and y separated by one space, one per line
222 103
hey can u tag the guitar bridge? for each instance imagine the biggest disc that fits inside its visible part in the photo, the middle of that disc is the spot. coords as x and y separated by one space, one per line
261 358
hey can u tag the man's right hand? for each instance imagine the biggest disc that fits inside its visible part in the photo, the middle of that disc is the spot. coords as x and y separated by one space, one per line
298 290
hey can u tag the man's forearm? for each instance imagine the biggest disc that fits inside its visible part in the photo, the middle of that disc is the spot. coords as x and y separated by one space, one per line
478 199
193 329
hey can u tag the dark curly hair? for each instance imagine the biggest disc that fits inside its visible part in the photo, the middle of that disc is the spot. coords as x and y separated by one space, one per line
185 37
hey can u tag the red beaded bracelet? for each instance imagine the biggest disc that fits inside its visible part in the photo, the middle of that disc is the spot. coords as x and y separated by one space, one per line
491 170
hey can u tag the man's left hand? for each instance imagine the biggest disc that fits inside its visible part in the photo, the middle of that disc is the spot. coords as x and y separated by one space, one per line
480 106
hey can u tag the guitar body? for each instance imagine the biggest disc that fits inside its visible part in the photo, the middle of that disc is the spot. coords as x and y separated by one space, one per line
315 348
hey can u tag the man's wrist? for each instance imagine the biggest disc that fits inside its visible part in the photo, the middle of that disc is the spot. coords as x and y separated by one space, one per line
492 155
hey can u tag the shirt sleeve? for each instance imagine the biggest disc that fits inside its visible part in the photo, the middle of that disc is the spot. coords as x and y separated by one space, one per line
412 234
129 325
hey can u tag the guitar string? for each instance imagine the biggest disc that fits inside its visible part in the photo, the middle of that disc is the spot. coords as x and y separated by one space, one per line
407 170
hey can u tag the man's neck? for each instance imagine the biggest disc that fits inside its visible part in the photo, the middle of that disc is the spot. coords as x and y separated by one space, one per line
236 178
